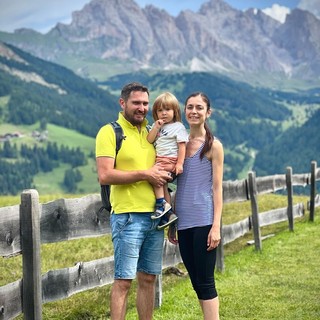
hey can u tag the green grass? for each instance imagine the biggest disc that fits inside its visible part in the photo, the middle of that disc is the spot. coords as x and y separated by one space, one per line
89 178
3 107
51 182
299 115
71 138
281 282
60 135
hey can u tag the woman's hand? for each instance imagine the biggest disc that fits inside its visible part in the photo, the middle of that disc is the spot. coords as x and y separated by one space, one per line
214 238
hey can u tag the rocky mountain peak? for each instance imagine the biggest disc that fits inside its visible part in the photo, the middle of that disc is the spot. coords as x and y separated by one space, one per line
300 36
217 38
215 6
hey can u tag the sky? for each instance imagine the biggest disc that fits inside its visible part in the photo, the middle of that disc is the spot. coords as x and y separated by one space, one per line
41 15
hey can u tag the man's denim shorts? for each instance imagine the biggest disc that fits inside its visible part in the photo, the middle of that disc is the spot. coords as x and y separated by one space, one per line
137 243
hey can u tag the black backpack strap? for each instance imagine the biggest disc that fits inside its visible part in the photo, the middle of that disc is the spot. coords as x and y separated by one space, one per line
105 198
105 189
119 135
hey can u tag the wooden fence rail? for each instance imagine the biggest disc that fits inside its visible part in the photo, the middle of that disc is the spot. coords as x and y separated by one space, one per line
24 228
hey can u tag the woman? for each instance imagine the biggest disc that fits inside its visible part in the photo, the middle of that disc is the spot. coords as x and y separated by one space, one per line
198 204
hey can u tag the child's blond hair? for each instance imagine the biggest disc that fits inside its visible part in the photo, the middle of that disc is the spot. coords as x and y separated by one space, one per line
167 100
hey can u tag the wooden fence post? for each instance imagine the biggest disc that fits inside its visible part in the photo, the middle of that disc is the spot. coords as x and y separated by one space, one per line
30 243
290 197
220 252
158 292
254 210
312 189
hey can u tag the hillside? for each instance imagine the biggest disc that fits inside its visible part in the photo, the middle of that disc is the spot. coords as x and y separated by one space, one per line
297 147
48 120
42 90
36 95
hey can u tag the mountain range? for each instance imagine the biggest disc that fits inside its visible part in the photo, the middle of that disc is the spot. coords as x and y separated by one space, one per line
119 36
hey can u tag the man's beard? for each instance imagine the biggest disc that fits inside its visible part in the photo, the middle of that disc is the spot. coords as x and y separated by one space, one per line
133 120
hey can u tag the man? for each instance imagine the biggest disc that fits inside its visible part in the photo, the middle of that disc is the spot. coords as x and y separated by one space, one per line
137 242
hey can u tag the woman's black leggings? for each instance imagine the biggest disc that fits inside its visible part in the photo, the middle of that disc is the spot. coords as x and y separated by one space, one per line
199 262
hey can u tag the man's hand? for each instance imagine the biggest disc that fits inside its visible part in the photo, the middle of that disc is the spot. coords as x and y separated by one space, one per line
157 176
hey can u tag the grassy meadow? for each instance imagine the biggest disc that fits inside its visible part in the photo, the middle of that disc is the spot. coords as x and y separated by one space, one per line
51 182
282 282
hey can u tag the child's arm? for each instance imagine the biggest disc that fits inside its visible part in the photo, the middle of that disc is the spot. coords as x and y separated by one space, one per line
152 135
181 156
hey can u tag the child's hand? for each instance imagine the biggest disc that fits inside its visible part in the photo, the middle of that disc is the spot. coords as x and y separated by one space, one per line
178 169
159 123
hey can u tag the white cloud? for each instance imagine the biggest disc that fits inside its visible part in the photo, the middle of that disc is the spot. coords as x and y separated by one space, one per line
36 14
311 5
277 12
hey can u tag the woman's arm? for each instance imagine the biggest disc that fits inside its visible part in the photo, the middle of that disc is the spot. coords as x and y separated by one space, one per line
217 159
181 156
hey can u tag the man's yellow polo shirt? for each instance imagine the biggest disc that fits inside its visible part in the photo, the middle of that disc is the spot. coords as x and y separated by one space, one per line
136 153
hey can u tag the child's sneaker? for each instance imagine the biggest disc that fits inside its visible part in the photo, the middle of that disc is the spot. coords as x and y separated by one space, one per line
161 209
167 219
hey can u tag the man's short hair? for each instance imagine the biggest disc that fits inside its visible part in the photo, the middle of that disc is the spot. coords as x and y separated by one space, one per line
133 86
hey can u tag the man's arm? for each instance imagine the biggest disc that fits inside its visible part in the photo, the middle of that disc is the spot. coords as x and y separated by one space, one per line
107 174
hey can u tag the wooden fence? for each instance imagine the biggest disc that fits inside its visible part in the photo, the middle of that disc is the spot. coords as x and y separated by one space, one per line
24 228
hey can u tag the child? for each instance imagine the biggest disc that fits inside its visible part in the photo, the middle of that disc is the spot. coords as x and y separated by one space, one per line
169 137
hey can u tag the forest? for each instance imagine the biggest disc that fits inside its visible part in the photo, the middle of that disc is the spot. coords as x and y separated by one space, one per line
18 167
